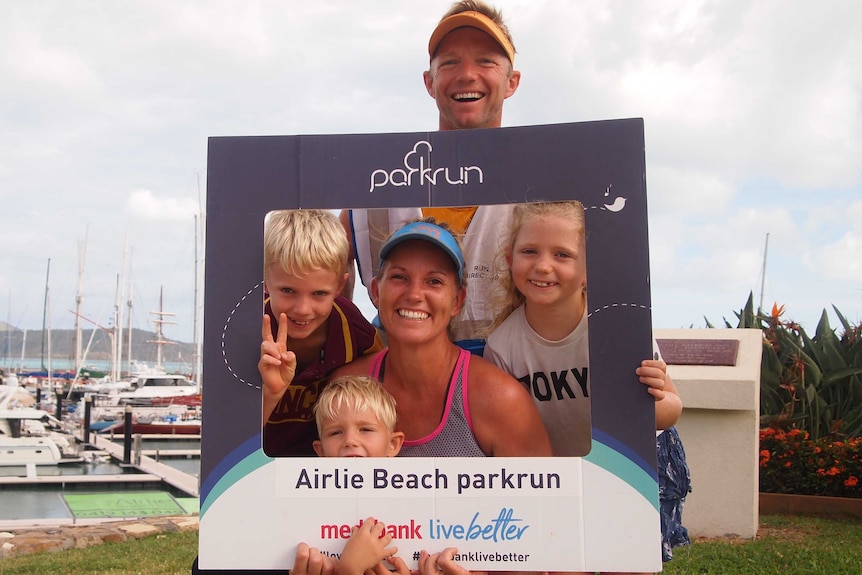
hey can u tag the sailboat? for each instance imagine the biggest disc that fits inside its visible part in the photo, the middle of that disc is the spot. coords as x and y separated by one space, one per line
162 402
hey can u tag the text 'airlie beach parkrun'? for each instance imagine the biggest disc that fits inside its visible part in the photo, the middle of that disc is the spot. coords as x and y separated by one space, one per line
564 513
382 478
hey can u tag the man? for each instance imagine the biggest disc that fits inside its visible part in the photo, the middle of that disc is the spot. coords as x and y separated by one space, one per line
471 73
472 70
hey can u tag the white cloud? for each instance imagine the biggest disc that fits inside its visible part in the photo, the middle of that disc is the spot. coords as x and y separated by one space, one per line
687 191
145 204
840 260
752 118
31 58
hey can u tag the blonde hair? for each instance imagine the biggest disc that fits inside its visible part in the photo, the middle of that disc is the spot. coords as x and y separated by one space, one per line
302 241
507 298
360 392
494 14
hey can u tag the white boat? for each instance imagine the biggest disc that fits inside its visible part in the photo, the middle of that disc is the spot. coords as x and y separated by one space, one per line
24 438
145 385
148 387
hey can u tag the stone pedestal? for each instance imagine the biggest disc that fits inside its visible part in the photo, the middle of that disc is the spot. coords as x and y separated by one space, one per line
719 428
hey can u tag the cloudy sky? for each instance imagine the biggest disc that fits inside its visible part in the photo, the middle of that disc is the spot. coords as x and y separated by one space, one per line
752 110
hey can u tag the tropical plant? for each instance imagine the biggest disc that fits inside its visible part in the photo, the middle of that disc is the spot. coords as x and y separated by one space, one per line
808 383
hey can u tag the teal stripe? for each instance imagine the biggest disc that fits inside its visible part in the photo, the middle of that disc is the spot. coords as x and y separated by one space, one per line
624 468
246 466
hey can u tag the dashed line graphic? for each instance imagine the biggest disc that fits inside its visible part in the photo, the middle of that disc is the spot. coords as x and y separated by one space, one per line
224 332
616 305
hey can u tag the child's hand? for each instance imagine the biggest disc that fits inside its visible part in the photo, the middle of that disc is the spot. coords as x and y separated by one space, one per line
277 366
365 549
396 562
653 374
310 561
668 405
440 562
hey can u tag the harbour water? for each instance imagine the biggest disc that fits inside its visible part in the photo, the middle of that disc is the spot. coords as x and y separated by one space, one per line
100 486
54 500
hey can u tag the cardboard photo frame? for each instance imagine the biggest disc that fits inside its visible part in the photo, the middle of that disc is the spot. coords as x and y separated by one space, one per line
599 512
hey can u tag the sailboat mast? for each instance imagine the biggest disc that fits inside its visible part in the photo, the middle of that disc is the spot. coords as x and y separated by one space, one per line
129 319
196 371
45 314
118 325
159 335
198 311
79 299
115 360
50 355
159 321
763 273
23 349
8 332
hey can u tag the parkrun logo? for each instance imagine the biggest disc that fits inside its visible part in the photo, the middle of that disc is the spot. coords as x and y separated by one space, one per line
416 172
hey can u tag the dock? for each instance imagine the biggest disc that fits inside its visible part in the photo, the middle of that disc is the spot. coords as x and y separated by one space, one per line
148 463
171 453
183 481
164 436
63 480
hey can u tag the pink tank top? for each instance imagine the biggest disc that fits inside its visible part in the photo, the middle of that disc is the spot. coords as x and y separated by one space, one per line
453 437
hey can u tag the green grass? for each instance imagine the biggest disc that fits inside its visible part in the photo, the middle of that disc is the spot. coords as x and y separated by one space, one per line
785 545
165 554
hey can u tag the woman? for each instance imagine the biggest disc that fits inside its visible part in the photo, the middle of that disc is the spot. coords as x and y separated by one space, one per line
450 403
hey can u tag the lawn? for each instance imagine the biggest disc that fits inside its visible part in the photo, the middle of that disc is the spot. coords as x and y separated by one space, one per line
785 545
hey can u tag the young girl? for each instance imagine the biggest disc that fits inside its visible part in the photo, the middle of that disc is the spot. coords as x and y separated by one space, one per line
541 331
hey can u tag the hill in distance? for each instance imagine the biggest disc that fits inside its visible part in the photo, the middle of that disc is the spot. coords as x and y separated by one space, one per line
62 345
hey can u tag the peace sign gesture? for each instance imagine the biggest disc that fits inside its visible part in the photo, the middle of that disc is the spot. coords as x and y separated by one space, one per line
277 365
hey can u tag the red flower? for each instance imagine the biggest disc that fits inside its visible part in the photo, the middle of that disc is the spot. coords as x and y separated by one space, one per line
777 311
790 462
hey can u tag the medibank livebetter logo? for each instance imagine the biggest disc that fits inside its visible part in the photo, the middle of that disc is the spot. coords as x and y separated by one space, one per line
504 527
417 172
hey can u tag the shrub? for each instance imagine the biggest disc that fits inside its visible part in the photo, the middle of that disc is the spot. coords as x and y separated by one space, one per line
809 383
791 462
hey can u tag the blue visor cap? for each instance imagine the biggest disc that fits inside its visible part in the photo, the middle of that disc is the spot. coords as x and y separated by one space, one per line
433 233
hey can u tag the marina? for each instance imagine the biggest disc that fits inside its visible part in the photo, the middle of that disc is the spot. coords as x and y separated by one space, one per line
81 441
56 468
111 476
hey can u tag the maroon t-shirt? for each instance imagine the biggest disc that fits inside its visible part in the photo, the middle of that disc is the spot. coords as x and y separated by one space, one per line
291 429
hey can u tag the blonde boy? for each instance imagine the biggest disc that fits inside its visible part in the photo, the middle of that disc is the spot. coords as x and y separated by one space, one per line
356 418
308 328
